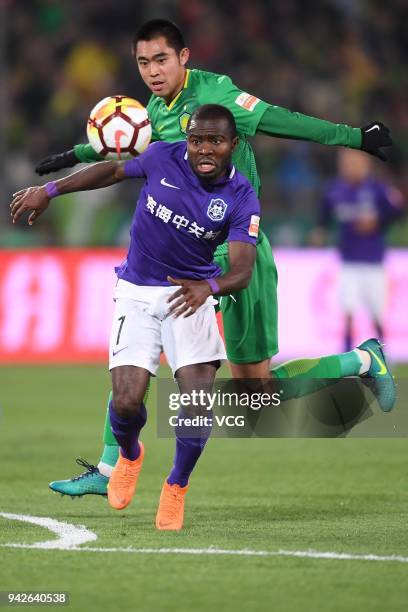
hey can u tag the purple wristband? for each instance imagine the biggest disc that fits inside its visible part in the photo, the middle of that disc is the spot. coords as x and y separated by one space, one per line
51 189
213 284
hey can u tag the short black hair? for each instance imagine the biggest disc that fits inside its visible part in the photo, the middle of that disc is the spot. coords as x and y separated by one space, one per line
215 111
160 27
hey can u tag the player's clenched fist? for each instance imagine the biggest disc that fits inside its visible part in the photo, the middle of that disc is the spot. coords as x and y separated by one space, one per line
191 295
33 200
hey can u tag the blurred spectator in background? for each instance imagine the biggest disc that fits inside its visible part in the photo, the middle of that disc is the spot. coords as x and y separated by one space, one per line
362 207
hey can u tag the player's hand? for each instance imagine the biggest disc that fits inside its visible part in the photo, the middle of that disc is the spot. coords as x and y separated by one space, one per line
374 136
367 224
33 200
191 295
57 162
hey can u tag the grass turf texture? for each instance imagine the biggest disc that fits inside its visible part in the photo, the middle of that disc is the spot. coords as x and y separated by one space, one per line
346 495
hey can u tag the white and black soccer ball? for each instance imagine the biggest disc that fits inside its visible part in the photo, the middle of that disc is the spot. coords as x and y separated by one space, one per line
119 128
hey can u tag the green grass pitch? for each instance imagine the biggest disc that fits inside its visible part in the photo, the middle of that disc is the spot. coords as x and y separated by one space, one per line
345 495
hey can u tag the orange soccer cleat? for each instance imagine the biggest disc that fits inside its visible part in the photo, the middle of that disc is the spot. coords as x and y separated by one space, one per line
170 514
123 481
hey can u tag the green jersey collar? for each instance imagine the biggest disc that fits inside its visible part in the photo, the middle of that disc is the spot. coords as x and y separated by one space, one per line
172 103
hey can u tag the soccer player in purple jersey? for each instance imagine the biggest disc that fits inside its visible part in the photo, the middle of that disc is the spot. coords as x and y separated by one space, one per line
192 201
362 208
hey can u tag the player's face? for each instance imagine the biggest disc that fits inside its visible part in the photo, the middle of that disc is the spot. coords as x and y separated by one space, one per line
209 147
354 165
161 67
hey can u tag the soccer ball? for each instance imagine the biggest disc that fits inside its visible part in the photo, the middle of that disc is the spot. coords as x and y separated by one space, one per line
119 128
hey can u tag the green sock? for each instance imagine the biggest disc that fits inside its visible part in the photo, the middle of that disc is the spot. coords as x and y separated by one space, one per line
310 375
110 452
108 437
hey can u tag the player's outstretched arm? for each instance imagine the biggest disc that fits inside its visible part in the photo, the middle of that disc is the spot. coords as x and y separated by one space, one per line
82 153
192 293
35 200
283 123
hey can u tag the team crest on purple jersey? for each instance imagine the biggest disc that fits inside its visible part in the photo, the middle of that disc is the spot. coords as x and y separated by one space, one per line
216 209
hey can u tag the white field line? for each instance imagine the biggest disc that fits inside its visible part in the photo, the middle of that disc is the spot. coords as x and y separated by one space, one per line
311 554
70 537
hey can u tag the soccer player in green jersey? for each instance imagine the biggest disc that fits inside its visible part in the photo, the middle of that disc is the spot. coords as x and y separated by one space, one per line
250 317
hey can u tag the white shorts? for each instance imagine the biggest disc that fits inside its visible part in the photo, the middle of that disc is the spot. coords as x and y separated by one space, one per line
363 285
142 328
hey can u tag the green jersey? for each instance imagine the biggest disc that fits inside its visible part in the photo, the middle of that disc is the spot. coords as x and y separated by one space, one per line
251 115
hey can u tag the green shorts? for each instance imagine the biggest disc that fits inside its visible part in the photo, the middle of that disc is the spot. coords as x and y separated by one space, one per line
250 316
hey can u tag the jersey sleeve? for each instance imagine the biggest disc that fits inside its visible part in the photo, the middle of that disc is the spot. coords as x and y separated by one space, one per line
246 108
283 123
244 221
140 166
86 154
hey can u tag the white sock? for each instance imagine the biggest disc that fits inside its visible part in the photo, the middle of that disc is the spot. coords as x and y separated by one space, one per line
365 359
105 469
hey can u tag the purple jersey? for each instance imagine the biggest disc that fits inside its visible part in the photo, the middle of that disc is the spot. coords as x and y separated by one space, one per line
349 205
180 220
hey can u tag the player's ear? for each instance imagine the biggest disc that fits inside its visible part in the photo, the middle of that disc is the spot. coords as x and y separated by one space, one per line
184 56
234 143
